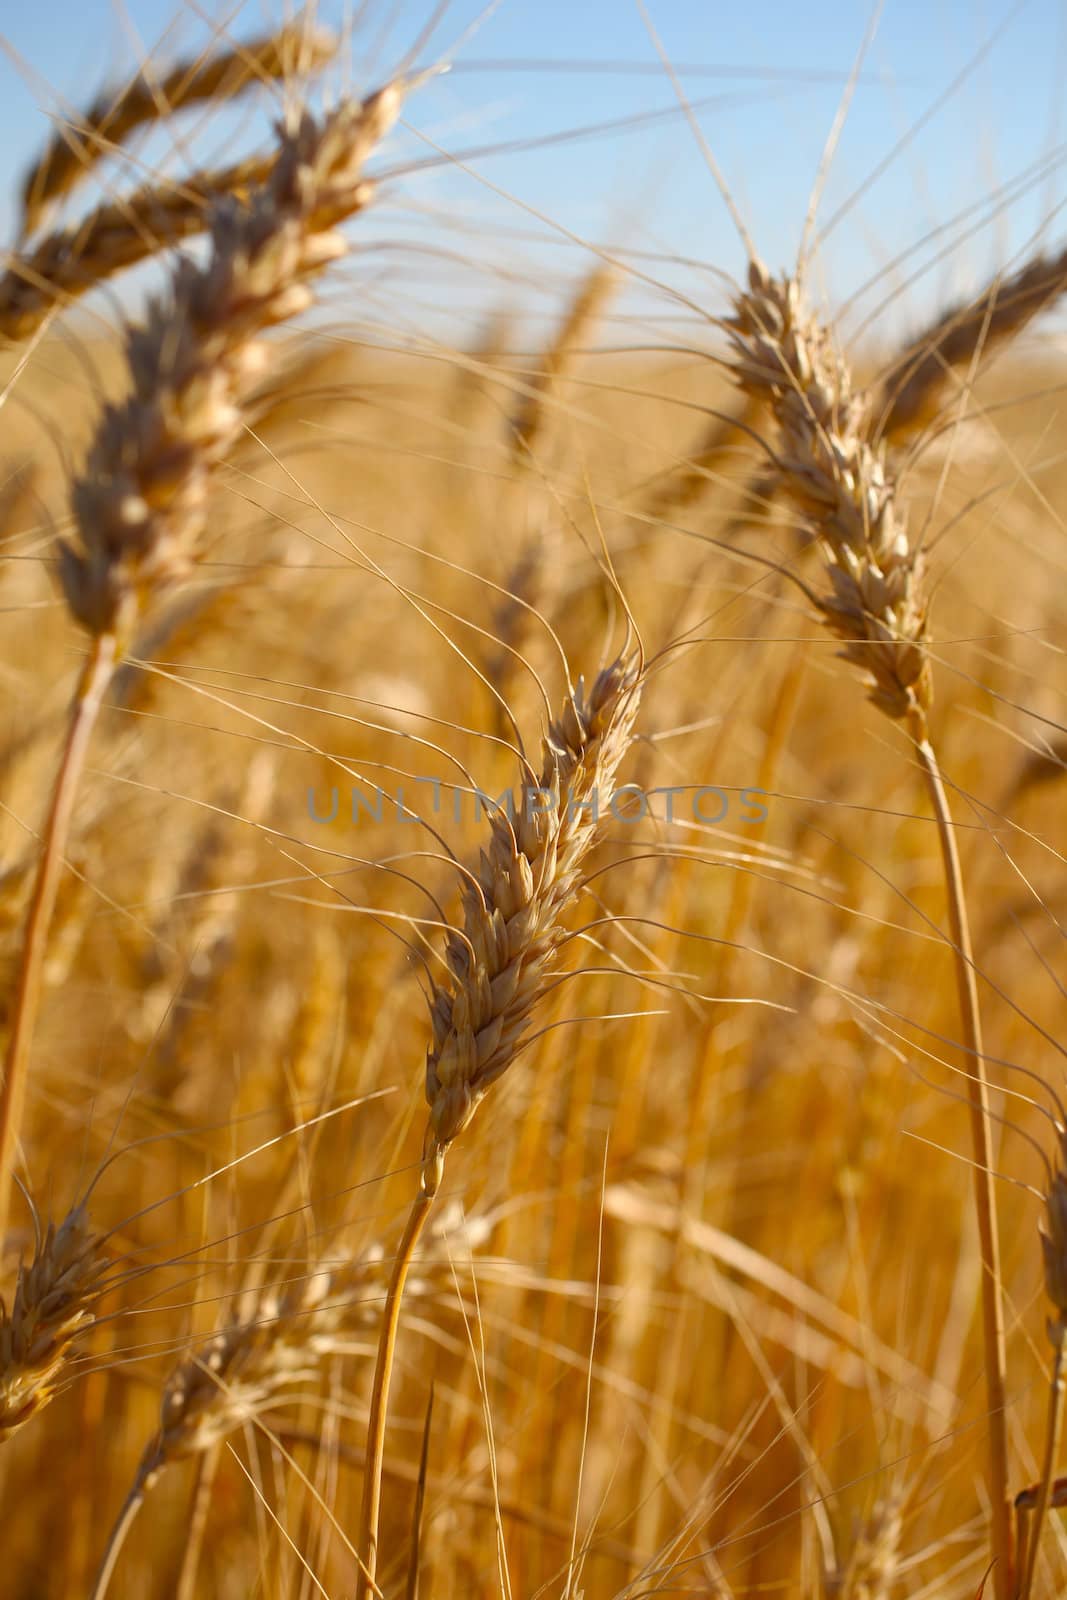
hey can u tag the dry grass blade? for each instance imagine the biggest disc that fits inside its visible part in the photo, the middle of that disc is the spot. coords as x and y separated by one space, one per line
912 393
75 149
51 1309
414 1559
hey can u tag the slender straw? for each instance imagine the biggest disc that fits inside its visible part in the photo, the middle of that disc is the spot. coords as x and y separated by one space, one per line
134 1501
367 1543
96 675
985 1207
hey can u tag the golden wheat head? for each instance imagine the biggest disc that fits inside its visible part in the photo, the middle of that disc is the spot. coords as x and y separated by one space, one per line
838 483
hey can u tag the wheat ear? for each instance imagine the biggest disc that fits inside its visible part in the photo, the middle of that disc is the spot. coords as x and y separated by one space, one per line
70 262
534 572
911 393
499 962
533 413
279 1343
51 1310
874 1560
280 1340
678 490
75 149
141 503
838 482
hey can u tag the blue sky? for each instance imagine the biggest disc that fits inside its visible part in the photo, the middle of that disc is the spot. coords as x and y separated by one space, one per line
765 81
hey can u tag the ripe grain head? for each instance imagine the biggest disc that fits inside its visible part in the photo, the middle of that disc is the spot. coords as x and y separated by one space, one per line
500 958
838 482
114 115
52 1308
141 502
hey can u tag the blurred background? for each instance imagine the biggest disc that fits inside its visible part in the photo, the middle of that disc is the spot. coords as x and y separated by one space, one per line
559 126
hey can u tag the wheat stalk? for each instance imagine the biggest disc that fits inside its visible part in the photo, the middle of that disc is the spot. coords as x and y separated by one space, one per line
838 482
75 149
141 502
499 962
52 1308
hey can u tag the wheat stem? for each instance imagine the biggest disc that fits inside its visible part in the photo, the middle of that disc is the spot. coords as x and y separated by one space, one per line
134 1501
1057 1333
985 1207
206 1468
367 1542
96 676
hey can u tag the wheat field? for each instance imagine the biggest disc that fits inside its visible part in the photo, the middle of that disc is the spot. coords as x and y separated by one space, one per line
532 886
